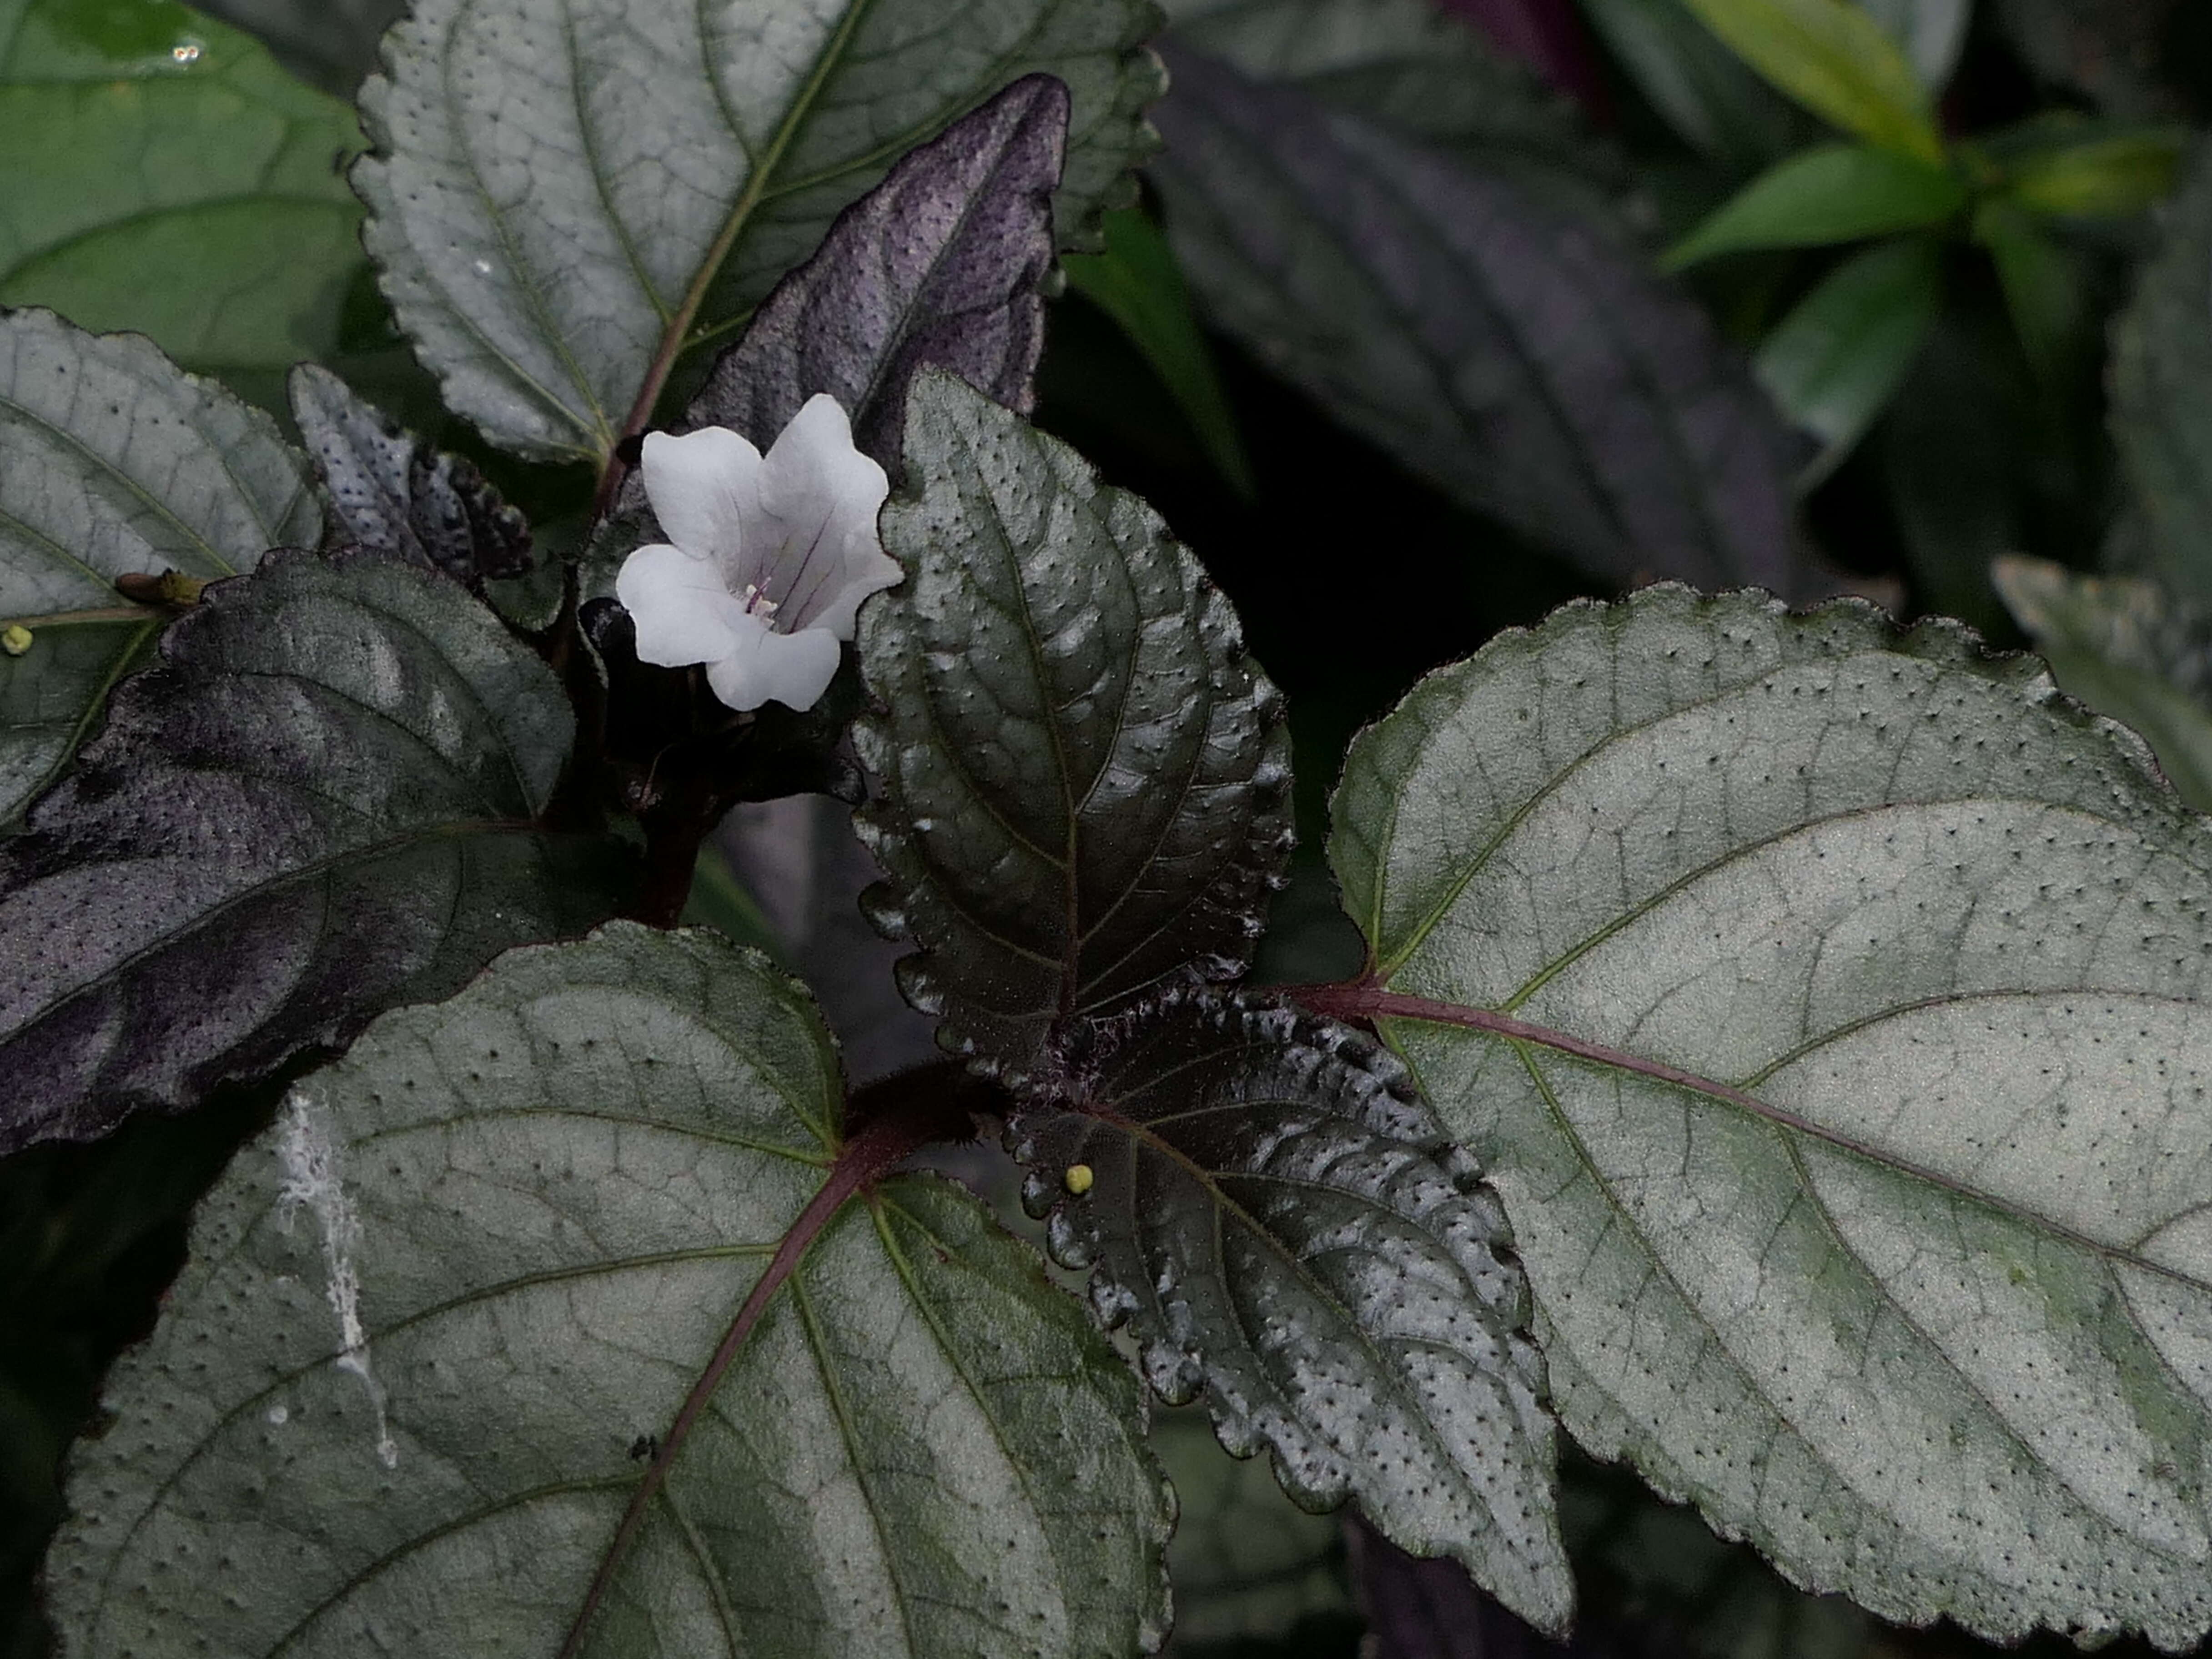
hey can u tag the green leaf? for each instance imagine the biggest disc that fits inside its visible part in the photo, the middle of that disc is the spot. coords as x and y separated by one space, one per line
1932 31
2161 391
1085 780
165 175
1824 1002
582 1246
562 199
1504 347
1137 283
326 799
2062 171
1837 61
1834 362
1405 64
2044 288
1246 1562
1837 193
2123 646
1268 1205
1703 90
113 462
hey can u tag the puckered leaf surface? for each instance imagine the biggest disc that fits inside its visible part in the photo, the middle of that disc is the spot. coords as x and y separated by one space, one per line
561 194
1271 1210
939 264
438 1324
1086 779
164 174
323 801
113 461
395 496
1826 1003
2161 385
1493 341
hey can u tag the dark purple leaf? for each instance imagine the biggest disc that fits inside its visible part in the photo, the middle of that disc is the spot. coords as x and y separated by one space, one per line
1499 343
326 799
392 494
938 266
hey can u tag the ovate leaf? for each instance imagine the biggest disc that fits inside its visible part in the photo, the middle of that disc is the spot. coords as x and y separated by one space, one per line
1841 354
113 462
394 496
166 175
1837 193
1085 780
1271 1209
939 264
563 197
325 800
2161 390
1836 60
2123 646
555 1319
1496 342
1826 1003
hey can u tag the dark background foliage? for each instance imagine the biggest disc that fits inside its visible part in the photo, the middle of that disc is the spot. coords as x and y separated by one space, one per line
1354 574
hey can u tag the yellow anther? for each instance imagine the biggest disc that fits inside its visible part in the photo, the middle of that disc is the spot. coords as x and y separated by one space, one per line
15 639
1078 1179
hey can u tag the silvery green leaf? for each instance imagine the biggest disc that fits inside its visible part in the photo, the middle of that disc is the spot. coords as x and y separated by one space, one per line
2161 390
326 798
113 461
1826 1003
562 197
1085 779
551 1319
1264 1200
395 496
2121 645
1492 341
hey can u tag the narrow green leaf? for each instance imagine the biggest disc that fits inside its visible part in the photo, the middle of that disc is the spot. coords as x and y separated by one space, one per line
325 800
1827 1003
1085 780
1837 193
1704 91
562 197
2123 646
1267 1204
1837 61
1514 351
113 461
1137 283
165 175
2098 175
2043 284
2161 391
552 1314
1834 362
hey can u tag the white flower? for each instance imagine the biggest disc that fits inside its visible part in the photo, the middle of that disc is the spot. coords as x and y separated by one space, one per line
772 555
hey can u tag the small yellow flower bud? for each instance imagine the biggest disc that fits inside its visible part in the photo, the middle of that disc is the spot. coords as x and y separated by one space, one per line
15 639
1078 1179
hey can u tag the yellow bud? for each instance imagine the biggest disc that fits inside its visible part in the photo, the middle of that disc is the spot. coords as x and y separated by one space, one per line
1078 1179
15 639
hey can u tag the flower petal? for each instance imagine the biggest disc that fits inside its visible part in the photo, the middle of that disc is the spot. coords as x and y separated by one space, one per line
705 487
794 669
683 613
819 497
